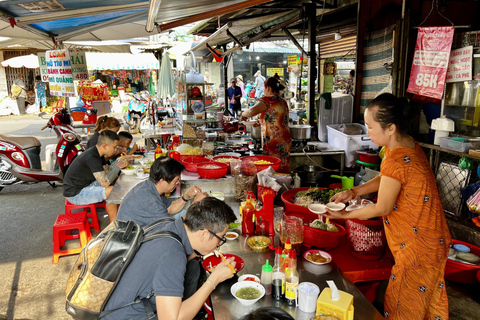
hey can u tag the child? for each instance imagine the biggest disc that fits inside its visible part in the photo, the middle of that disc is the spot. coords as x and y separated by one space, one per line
124 145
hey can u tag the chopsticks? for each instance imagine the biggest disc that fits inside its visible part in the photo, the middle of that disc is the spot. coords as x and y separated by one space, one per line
218 253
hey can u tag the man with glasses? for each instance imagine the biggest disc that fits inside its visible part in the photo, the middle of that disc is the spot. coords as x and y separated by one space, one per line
167 269
147 203
89 177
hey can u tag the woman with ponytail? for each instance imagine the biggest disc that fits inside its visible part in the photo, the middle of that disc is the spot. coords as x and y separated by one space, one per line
273 110
412 213
103 123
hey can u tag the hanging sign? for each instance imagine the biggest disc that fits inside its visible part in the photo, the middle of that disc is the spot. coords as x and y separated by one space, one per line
60 73
292 60
430 61
460 65
79 65
329 68
271 72
42 63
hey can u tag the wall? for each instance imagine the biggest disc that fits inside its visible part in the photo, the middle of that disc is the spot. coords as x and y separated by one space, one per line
3 78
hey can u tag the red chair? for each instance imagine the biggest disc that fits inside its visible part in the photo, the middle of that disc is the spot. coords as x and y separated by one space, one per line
62 228
92 214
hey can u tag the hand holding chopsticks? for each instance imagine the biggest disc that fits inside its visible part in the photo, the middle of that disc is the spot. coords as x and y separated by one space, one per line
219 254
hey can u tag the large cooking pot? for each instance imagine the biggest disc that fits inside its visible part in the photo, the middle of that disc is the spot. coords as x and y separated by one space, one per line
300 132
256 132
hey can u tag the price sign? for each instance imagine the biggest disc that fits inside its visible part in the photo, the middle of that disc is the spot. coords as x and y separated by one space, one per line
430 61
460 65
79 65
60 77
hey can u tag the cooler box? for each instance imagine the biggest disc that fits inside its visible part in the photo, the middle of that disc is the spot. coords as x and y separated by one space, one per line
341 112
349 143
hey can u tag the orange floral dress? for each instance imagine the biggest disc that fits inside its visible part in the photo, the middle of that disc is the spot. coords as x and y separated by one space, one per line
276 138
419 238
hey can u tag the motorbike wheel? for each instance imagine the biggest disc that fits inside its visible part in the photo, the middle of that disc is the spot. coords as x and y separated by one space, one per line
135 125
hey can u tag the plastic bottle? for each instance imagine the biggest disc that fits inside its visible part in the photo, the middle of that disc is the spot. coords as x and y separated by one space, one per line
284 259
158 151
266 278
297 182
278 276
291 279
248 217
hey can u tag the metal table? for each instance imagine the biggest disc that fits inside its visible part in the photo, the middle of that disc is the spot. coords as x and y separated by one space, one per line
86 127
226 307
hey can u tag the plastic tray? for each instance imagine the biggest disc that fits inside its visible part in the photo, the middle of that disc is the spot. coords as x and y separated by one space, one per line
447 143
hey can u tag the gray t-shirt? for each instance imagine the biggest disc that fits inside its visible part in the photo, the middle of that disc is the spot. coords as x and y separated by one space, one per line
259 82
143 205
159 266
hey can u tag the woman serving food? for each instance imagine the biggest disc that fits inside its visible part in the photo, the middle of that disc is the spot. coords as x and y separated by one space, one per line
273 110
412 213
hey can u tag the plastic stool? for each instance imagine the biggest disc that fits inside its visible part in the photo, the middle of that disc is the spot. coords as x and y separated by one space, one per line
102 204
92 214
61 232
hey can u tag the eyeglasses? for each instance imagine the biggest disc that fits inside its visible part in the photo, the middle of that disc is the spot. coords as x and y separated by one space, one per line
221 240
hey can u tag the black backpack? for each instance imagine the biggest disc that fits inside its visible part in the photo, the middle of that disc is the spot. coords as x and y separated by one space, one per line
101 264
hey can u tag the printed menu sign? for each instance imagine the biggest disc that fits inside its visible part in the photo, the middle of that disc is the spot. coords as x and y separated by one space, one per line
79 65
42 63
60 73
460 65
430 61
271 71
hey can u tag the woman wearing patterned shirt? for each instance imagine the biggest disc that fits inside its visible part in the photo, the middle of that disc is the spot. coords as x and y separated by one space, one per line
273 110
412 213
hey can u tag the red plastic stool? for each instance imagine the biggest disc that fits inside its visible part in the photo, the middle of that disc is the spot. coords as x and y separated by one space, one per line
102 204
61 232
92 214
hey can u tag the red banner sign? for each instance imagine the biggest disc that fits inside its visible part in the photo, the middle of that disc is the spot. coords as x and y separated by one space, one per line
430 61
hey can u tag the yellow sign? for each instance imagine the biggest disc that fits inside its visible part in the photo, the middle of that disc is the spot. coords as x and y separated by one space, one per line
271 71
292 60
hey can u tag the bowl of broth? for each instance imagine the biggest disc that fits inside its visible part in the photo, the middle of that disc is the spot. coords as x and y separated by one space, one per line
247 292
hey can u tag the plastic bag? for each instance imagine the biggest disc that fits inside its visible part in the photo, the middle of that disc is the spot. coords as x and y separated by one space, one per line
243 184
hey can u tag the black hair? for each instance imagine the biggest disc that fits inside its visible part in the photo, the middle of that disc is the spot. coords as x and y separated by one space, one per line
274 84
107 136
209 213
165 168
124 135
352 73
267 313
276 76
38 78
392 110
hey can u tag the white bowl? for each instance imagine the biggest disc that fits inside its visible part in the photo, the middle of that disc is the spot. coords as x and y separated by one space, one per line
232 233
129 172
247 284
317 208
136 158
242 278
335 206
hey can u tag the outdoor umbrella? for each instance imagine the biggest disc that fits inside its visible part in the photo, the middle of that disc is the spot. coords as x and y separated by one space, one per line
29 61
166 83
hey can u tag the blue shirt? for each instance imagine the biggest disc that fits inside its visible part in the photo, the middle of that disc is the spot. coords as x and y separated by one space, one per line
143 205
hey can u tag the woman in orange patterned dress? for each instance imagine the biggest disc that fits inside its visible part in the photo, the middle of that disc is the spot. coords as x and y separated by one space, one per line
273 110
412 213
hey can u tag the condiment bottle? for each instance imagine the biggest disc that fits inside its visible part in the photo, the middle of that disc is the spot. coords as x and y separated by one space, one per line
158 151
248 218
291 279
278 276
266 278
288 248
297 182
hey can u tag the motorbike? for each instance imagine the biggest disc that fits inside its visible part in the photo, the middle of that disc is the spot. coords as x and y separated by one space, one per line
20 155
157 112
136 112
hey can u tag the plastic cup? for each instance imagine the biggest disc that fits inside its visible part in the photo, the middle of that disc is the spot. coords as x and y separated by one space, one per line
307 294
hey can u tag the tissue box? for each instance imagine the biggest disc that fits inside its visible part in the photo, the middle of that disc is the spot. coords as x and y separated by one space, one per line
342 309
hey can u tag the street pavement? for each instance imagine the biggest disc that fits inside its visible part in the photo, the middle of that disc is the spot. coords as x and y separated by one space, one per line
31 287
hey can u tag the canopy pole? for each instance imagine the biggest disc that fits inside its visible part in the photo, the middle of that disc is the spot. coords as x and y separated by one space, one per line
225 79
310 9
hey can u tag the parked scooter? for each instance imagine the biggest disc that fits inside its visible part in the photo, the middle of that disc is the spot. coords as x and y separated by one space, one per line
136 112
20 155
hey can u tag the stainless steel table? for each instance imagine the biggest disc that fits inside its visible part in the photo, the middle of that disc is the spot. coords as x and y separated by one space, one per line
226 307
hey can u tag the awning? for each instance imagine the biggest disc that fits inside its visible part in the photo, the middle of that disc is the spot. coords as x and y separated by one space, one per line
121 61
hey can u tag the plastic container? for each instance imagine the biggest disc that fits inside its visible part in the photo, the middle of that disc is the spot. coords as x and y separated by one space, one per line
266 277
369 157
448 143
208 173
349 143
341 112
313 237
367 238
274 163
261 190
191 163
462 272
287 197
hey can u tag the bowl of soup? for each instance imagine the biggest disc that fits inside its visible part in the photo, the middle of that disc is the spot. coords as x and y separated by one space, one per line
247 292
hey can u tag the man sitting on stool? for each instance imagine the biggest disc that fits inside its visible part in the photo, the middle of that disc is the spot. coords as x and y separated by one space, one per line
88 178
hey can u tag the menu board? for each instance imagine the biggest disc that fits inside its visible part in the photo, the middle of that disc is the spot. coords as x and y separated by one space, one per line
79 65
60 76
460 65
42 63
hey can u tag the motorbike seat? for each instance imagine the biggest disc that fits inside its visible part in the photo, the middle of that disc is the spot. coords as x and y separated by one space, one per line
22 142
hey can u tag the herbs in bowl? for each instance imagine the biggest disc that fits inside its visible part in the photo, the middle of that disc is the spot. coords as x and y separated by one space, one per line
258 243
129 170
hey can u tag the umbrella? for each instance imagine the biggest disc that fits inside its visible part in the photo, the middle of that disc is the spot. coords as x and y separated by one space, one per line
29 61
166 83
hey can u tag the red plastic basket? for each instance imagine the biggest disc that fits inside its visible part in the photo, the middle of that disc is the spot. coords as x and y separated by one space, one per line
313 237
208 173
463 272
287 197
367 238
250 170
191 164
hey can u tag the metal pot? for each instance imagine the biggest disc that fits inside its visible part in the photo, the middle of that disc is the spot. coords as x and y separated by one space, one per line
300 132
256 132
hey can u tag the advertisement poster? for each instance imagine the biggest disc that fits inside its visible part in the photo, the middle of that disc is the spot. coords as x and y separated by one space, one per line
460 65
292 60
271 72
79 65
42 63
430 61
60 73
